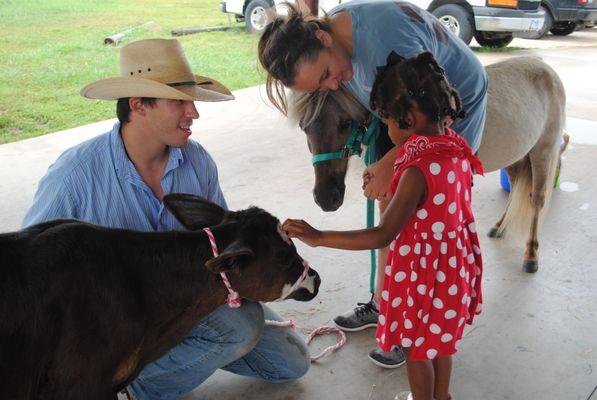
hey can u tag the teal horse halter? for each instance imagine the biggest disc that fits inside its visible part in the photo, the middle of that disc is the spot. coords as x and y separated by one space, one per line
360 135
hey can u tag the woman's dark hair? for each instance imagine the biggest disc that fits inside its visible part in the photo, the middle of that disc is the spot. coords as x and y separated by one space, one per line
404 83
285 42
123 110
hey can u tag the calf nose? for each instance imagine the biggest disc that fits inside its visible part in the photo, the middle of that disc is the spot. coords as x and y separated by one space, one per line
308 288
316 280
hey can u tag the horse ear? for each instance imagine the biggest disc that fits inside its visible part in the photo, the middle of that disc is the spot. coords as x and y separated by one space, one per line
393 59
237 255
193 212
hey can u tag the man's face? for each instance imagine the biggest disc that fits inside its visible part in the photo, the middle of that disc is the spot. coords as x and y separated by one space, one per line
171 121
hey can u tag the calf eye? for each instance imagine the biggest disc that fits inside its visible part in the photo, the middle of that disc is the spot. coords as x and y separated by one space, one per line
286 258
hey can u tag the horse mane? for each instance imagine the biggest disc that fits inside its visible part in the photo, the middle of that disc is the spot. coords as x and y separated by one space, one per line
304 108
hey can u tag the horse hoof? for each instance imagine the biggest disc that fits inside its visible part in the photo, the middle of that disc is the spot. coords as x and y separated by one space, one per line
494 233
530 266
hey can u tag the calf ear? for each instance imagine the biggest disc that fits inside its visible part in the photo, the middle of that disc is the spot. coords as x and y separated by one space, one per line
193 212
394 59
237 255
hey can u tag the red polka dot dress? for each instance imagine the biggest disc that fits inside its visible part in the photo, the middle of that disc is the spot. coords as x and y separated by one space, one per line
432 283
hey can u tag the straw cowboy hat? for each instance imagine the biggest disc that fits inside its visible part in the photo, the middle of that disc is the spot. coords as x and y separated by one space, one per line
156 68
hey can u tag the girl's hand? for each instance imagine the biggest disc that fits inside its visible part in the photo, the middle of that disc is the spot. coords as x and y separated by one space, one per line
303 231
376 180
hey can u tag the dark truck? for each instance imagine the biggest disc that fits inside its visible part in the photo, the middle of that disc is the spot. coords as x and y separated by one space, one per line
562 17
490 22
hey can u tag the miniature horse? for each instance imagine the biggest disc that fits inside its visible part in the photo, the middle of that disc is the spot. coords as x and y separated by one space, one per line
85 308
523 130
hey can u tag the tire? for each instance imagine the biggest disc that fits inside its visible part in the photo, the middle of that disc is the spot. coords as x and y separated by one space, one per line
491 39
456 19
256 16
563 29
547 25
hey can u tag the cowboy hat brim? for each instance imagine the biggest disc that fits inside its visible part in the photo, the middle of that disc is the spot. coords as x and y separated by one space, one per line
204 89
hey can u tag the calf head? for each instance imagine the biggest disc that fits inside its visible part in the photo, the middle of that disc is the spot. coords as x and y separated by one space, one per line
261 263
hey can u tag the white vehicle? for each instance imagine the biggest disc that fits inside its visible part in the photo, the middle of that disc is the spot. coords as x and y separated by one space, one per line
490 22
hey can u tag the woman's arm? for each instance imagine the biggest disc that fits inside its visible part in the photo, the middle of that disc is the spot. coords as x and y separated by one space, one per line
410 192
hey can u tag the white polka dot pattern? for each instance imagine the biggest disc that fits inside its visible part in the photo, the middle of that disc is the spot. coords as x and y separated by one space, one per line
439 199
434 168
404 250
394 326
400 276
422 213
427 312
437 227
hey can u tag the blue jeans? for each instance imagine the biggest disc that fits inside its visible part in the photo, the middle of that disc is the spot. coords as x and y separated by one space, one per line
235 340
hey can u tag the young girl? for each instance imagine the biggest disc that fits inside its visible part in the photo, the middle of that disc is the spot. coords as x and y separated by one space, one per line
432 285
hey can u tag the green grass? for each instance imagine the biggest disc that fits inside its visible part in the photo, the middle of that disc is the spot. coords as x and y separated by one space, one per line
52 48
506 49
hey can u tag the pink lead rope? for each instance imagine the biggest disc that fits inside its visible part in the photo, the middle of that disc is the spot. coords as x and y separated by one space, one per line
234 301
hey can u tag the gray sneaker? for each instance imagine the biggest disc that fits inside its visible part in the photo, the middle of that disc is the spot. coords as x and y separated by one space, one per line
361 317
124 395
389 359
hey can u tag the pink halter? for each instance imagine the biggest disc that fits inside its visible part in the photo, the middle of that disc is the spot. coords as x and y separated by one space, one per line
233 299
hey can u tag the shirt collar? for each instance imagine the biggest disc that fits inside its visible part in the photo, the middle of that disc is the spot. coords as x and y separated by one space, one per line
123 164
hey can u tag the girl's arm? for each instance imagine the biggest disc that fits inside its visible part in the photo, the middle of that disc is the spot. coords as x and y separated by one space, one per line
410 192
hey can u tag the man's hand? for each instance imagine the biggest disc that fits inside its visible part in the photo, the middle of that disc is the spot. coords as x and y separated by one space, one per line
303 231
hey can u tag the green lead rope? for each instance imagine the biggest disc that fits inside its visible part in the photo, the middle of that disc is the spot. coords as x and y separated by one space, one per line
360 135
370 139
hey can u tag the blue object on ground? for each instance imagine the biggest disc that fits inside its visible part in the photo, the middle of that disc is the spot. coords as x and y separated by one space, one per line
504 181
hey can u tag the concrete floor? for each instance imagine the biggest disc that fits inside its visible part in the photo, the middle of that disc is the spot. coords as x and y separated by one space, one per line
537 336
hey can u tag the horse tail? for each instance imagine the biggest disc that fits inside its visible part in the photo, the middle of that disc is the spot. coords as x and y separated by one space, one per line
531 186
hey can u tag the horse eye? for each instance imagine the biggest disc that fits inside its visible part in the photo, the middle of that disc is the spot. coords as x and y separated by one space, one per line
345 124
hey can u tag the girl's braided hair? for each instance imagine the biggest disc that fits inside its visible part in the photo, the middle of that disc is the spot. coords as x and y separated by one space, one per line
285 42
404 83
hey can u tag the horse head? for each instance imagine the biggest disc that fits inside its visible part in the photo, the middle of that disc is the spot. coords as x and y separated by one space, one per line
327 118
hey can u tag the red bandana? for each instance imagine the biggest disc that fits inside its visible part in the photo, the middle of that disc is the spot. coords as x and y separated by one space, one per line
449 145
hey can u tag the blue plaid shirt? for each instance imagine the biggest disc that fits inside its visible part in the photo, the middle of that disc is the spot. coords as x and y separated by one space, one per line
96 182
